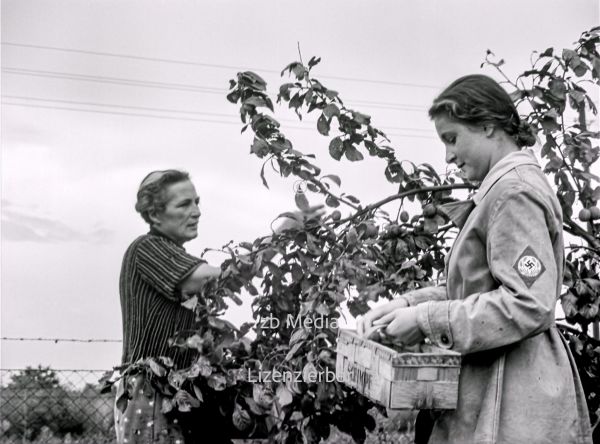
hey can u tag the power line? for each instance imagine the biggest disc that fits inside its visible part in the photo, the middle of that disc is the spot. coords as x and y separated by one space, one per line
143 108
170 110
176 118
175 86
210 65
113 80
57 340
118 113
406 106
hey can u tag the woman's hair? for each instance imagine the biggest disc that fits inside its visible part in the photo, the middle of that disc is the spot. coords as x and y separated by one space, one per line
152 194
479 100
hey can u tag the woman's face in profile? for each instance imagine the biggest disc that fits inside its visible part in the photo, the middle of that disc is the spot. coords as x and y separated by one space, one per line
468 147
179 220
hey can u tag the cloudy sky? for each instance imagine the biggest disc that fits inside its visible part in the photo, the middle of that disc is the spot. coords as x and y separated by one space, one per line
97 94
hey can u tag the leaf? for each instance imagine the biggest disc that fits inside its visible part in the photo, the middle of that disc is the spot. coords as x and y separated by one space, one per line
394 171
323 309
299 71
352 154
331 110
254 407
371 147
293 351
166 361
333 178
167 405
233 96
309 373
191 303
185 401
205 367
252 80
251 288
301 201
554 164
217 382
547 53
351 237
241 418
431 225
361 119
313 61
289 67
259 147
336 148
281 143
284 90
284 396
256 101
262 176
557 88
195 342
156 368
323 125
331 94
298 335
263 396
332 201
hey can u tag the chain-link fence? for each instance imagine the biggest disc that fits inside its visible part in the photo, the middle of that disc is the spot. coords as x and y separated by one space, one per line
45 406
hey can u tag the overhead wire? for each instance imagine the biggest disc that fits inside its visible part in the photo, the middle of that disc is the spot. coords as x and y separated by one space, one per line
113 80
175 118
210 65
169 110
175 86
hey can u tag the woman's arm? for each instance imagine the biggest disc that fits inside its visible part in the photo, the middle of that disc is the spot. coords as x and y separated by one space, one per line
196 279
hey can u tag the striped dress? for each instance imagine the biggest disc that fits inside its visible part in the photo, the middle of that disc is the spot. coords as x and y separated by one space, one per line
152 268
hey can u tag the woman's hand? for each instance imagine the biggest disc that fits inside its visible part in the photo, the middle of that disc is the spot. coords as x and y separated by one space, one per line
402 325
365 326
196 280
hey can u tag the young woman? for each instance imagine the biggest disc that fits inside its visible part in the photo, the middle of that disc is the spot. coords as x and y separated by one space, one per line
518 381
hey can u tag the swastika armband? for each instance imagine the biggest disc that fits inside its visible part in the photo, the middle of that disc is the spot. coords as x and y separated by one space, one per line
529 266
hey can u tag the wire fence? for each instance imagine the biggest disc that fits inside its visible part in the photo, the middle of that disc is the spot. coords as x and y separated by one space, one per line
45 406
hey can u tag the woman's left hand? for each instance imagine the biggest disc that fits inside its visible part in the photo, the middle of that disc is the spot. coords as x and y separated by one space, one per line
402 324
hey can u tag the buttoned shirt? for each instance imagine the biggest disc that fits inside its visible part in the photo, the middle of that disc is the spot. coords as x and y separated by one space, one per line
518 381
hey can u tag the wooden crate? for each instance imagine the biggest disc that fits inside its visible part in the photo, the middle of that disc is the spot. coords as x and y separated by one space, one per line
398 380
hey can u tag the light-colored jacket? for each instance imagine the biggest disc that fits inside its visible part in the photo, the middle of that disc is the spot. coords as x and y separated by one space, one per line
518 382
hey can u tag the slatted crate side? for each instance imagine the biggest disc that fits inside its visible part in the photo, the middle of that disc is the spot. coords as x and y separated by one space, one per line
399 380
363 380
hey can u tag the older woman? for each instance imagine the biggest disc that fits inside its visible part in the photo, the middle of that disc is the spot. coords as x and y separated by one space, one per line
518 381
157 275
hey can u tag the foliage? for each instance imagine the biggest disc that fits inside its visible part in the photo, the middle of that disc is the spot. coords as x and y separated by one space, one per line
306 274
37 407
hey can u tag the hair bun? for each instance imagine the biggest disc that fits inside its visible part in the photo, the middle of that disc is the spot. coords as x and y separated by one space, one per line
525 135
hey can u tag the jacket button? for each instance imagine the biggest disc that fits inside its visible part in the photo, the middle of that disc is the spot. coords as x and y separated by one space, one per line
444 339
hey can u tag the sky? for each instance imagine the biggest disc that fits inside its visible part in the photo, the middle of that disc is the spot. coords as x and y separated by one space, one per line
97 94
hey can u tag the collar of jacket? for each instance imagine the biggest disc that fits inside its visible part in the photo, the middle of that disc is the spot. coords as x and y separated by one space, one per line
504 165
